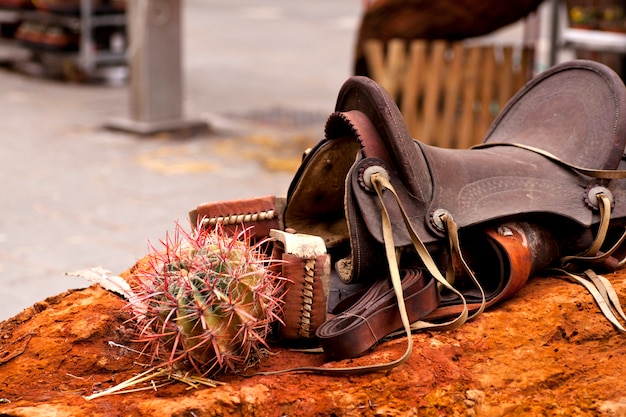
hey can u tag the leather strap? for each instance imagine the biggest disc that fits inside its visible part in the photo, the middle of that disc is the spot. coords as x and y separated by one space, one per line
359 328
611 174
593 254
380 183
602 292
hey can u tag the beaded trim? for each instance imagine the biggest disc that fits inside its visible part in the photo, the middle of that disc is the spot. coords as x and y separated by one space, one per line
239 218
307 298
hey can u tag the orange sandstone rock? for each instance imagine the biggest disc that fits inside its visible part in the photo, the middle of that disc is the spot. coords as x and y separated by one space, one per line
548 351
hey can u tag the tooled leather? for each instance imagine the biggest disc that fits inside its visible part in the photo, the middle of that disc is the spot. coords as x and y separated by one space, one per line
595 140
479 185
485 189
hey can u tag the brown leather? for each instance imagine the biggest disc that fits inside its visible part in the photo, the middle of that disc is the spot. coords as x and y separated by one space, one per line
305 299
573 110
504 257
516 210
375 315
261 214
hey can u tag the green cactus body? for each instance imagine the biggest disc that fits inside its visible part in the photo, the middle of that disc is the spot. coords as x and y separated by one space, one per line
207 300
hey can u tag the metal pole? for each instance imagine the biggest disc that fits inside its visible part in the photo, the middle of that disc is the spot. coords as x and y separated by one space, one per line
156 77
554 32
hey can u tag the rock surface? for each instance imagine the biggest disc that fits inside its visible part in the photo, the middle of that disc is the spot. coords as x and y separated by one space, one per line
546 352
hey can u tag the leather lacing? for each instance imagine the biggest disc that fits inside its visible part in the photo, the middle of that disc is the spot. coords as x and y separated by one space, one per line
598 286
307 298
239 218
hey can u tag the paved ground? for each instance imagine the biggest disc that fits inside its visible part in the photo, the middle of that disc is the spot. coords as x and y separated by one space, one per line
75 195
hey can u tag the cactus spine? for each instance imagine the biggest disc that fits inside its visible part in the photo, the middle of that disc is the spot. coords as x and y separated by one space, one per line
206 300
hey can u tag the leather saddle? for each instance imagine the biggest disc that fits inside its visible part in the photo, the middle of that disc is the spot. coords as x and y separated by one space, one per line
460 230
574 111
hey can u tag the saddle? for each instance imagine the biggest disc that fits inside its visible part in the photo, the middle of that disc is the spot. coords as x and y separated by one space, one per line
426 237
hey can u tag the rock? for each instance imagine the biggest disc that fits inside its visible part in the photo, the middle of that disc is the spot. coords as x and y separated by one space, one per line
548 351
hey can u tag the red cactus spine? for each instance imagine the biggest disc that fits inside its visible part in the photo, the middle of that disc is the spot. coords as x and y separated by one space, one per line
207 300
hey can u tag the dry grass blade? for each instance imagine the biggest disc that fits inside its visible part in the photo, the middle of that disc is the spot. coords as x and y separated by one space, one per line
123 387
195 381
150 376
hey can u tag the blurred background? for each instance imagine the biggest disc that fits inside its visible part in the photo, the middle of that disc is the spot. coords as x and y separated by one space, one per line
118 119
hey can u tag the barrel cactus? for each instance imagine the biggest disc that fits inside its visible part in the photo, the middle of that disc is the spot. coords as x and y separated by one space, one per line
207 300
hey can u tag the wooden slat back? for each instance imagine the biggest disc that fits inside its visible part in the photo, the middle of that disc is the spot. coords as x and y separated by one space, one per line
448 92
